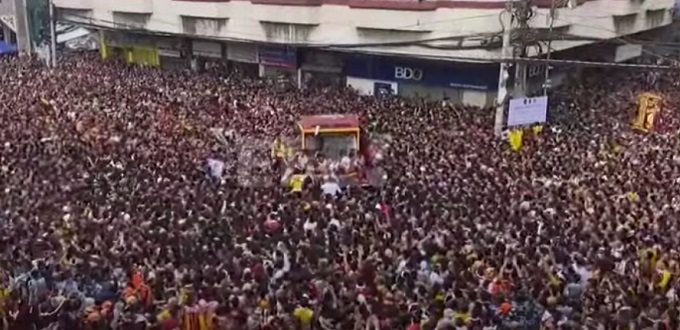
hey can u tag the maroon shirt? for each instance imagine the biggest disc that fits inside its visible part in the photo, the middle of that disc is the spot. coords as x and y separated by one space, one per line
26 318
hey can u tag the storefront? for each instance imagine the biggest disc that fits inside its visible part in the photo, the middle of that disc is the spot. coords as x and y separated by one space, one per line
172 53
131 48
208 55
435 80
375 87
321 69
280 63
171 59
207 49
243 59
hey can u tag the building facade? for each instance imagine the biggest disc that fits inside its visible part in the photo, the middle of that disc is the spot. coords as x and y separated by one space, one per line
14 25
25 24
421 48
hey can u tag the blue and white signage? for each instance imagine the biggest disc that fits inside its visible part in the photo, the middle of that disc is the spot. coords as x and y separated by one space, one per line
417 71
278 56
407 73
526 111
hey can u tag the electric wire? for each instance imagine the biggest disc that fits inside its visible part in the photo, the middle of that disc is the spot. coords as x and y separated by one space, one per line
624 39
492 38
109 25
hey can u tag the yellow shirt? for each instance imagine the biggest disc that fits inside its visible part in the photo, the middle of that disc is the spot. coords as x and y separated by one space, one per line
296 182
465 317
4 293
163 315
665 279
305 315
554 280
651 261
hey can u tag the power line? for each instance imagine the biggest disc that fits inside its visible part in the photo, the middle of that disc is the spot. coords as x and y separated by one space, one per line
546 83
110 25
345 47
510 59
490 44
505 19
597 64
624 39
523 38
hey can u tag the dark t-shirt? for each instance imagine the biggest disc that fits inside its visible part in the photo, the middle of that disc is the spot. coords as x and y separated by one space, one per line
26 319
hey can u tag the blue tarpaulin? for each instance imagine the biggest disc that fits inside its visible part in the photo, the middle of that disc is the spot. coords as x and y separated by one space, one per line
7 49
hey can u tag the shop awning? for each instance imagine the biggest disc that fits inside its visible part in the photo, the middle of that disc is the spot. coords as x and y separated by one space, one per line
75 37
73 34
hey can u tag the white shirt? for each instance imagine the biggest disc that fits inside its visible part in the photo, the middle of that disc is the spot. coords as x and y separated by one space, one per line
216 167
435 278
330 188
584 273
335 222
309 225
345 162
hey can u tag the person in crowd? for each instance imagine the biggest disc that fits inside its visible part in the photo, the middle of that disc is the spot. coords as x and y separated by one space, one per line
111 222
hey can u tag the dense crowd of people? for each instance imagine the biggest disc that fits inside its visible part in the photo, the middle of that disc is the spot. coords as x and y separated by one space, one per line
110 221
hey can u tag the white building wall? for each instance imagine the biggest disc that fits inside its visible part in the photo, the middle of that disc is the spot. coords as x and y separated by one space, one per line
328 24
476 98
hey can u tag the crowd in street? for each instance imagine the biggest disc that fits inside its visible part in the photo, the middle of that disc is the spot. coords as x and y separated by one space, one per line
109 220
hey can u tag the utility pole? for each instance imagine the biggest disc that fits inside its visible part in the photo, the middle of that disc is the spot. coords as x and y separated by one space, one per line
24 42
524 38
546 84
503 74
53 36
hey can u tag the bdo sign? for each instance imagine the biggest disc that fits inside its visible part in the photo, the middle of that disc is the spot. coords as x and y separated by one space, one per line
406 73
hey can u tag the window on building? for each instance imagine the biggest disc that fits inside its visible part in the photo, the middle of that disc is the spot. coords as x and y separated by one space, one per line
129 20
655 18
203 25
535 70
625 24
287 32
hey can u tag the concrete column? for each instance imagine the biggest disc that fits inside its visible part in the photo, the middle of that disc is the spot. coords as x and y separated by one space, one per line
24 43
7 32
194 64
299 78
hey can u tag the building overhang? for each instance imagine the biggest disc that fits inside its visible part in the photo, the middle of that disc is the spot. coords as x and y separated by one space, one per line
381 28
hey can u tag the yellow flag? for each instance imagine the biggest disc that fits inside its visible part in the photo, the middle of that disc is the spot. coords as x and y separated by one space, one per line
296 182
515 139
537 129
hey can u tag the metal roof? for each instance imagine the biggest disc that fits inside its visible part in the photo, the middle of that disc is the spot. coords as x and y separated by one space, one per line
329 121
